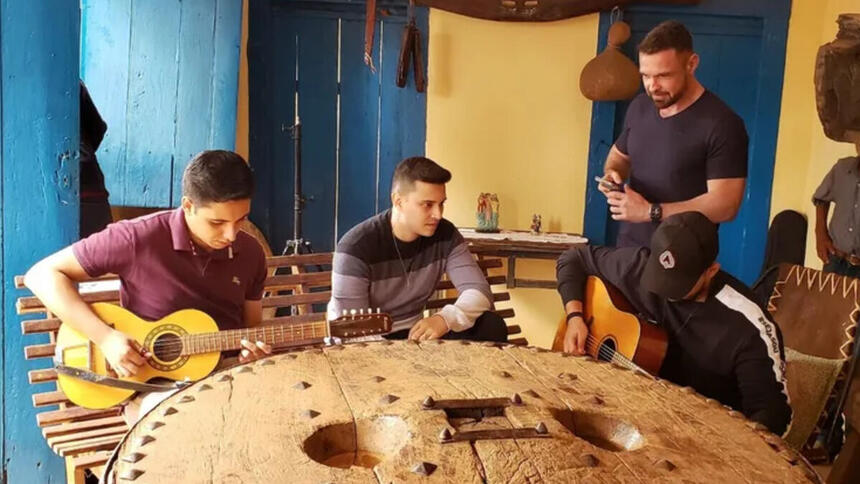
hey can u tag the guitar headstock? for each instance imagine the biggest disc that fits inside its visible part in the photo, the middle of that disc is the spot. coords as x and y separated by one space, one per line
357 323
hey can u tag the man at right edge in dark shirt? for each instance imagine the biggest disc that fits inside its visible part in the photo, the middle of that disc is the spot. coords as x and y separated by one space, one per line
681 149
721 342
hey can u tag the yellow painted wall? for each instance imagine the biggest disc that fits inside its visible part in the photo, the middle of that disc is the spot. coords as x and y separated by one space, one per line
505 115
804 154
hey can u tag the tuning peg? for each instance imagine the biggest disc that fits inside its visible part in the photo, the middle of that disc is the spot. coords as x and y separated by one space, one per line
344 313
378 310
361 311
369 310
352 312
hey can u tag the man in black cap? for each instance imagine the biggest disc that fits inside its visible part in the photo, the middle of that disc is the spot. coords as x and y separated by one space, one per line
721 342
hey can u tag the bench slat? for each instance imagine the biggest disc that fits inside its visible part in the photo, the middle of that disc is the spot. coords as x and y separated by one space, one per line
84 425
32 304
518 341
505 313
42 375
39 351
514 329
89 445
36 326
19 280
324 258
492 280
73 413
87 435
49 398
309 278
294 299
438 303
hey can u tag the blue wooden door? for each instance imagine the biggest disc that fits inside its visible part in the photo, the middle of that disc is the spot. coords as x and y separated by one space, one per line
742 49
39 206
356 124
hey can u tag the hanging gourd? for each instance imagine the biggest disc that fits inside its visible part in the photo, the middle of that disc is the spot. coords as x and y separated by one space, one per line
611 76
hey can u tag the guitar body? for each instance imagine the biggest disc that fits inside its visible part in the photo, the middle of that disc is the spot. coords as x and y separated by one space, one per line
75 350
615 329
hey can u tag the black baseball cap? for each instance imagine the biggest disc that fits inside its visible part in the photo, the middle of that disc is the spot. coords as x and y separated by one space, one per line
682 247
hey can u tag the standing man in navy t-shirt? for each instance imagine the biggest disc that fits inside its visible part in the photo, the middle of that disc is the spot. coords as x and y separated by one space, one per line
681 150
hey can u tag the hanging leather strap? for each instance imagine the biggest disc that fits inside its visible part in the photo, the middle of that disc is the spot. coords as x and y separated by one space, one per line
116 382
417 58
369 28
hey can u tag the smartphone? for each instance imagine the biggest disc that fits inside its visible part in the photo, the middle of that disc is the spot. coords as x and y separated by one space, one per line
611 185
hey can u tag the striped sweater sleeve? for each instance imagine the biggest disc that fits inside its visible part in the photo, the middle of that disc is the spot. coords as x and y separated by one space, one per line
474 292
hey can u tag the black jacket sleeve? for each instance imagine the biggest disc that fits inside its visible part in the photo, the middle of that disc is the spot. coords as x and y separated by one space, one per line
760 379
622 268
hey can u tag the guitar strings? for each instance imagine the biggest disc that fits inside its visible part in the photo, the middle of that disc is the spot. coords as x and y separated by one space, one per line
610 355
287 329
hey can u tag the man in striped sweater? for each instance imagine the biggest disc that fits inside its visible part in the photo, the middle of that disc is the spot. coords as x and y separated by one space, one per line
393 261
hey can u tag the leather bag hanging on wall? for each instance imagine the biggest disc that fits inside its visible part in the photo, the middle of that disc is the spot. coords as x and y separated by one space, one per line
611 76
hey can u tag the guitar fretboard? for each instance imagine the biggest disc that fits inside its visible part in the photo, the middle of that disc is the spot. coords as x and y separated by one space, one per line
273 335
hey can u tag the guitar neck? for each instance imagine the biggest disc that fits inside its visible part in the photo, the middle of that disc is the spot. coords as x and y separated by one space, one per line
274 335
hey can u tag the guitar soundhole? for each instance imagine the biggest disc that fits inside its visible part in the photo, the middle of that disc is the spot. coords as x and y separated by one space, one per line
607 350
167 347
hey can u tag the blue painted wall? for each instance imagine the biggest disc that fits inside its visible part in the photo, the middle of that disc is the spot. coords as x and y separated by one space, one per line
742 46
164 75
39 164
357 124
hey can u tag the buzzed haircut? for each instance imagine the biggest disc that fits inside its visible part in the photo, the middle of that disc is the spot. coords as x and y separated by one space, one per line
417 168
217 176
670 34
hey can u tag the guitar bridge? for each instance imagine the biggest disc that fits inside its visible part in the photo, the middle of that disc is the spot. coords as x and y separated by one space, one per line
60 353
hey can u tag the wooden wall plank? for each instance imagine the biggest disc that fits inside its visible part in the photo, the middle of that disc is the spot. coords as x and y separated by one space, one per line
280 101
225 74
403 111
151 108
194 87
318 111
104 69
39 107
359 118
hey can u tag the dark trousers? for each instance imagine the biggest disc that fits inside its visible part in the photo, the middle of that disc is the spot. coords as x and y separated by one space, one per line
488 327
839 265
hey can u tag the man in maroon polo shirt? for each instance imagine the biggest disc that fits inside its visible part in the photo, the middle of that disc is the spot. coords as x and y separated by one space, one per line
192 257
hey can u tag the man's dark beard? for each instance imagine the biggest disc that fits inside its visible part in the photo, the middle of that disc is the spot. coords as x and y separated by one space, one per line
668 102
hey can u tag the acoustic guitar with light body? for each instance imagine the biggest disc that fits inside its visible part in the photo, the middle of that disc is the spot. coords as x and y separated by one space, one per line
186 345
615 333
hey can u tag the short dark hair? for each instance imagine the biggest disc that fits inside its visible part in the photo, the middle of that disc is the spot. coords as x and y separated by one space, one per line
670 34
217 176
418 168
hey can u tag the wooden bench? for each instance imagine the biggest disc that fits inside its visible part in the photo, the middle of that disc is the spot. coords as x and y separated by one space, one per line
85 438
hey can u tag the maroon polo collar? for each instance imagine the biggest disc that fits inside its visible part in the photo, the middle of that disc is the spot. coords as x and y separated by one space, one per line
181 237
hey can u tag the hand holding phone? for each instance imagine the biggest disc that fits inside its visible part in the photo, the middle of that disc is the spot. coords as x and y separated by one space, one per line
609 184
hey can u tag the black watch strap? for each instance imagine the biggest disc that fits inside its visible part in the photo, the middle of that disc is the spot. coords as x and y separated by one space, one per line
573 315
656 212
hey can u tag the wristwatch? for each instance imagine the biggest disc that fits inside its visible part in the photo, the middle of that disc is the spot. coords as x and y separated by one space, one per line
656 212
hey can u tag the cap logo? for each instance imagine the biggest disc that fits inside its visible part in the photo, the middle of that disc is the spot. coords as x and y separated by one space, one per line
667 260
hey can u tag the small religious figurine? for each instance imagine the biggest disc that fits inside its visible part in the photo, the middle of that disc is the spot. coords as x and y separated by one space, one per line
536 223
488 212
